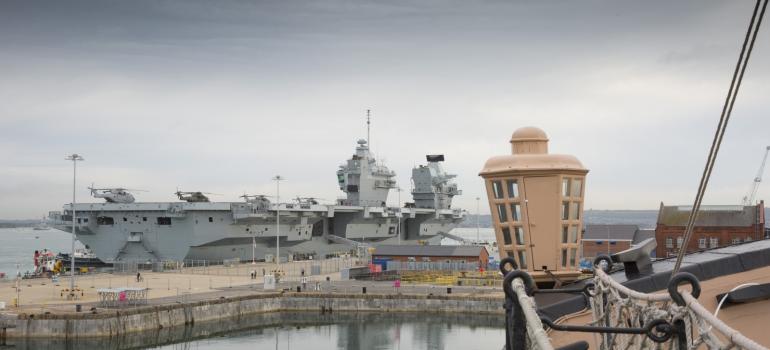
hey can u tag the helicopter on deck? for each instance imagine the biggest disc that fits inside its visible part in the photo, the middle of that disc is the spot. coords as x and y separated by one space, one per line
114 194
307 200
260 200
194 196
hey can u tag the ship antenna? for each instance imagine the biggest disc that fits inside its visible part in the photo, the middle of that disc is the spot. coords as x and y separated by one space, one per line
368 122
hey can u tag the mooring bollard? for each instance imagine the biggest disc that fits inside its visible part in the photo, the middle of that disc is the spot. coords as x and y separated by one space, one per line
299 289
78 308
363 290
449 290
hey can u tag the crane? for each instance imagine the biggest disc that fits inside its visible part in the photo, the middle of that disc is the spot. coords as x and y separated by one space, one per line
748 199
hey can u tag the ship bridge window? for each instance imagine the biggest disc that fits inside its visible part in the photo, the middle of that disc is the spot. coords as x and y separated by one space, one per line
513 189
564 258
105 220
497 189
574 211
577 187
573 234
506 236
164 221
565 187
516 212
565 210
519 233
501 214
522 259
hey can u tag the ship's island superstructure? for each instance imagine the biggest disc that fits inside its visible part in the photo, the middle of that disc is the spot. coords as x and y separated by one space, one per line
195 228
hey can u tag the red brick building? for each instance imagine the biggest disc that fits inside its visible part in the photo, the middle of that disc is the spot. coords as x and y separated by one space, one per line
716 226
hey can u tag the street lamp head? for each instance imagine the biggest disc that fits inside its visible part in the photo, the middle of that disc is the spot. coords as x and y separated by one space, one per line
74 157
278 178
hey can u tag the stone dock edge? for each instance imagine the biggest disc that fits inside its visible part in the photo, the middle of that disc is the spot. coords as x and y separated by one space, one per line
118 322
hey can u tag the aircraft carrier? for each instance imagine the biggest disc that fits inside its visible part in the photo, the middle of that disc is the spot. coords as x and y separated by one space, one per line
122 229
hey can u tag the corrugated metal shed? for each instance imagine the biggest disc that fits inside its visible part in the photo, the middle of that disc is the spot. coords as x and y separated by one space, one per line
428 250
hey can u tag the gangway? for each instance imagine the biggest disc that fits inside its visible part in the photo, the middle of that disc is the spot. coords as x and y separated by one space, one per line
453 237
347 241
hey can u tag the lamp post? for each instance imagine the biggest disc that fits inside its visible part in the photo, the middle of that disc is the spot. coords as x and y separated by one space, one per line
398 227
74 158
477 219
277 180
253 248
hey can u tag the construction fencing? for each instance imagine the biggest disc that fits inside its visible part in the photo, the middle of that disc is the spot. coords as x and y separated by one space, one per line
234 267
431 266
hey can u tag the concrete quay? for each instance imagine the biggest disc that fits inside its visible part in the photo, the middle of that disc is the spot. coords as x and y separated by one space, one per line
117 322
178 299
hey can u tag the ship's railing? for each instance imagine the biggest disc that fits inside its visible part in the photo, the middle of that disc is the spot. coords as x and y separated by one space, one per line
622 318
687 323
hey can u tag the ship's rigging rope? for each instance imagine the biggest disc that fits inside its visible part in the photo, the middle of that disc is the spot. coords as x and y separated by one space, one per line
616 305
616 308
727 108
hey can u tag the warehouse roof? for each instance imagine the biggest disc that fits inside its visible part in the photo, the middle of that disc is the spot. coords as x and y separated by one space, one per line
611 232
428 250
722 215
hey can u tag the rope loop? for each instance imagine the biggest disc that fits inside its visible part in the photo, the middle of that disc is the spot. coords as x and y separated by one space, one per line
526 279
602 257
505 262
679 279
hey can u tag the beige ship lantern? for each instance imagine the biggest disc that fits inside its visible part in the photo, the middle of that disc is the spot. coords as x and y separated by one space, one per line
536 201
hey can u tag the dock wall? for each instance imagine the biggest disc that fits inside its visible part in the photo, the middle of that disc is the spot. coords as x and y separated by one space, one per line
115 323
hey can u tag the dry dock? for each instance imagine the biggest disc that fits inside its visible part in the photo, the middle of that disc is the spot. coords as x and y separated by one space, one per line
178 299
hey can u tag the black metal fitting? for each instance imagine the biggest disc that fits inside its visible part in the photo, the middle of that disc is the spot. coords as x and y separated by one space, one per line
679 279
658 330
529 283
508 261
602 257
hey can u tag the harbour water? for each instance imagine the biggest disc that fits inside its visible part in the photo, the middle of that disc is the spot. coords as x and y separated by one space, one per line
308 331
17 246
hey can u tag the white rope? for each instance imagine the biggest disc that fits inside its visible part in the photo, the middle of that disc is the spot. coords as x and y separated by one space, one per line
537 338
707 319
615 305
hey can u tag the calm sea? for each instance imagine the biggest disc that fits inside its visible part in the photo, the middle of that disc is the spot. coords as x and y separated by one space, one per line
18 245
335 331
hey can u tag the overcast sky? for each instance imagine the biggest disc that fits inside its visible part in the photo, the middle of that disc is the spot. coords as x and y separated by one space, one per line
221 96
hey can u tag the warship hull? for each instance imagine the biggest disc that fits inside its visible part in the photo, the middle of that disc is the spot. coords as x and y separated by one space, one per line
220 231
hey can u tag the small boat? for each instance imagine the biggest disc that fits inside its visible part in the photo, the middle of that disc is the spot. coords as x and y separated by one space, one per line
41 226
83 258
